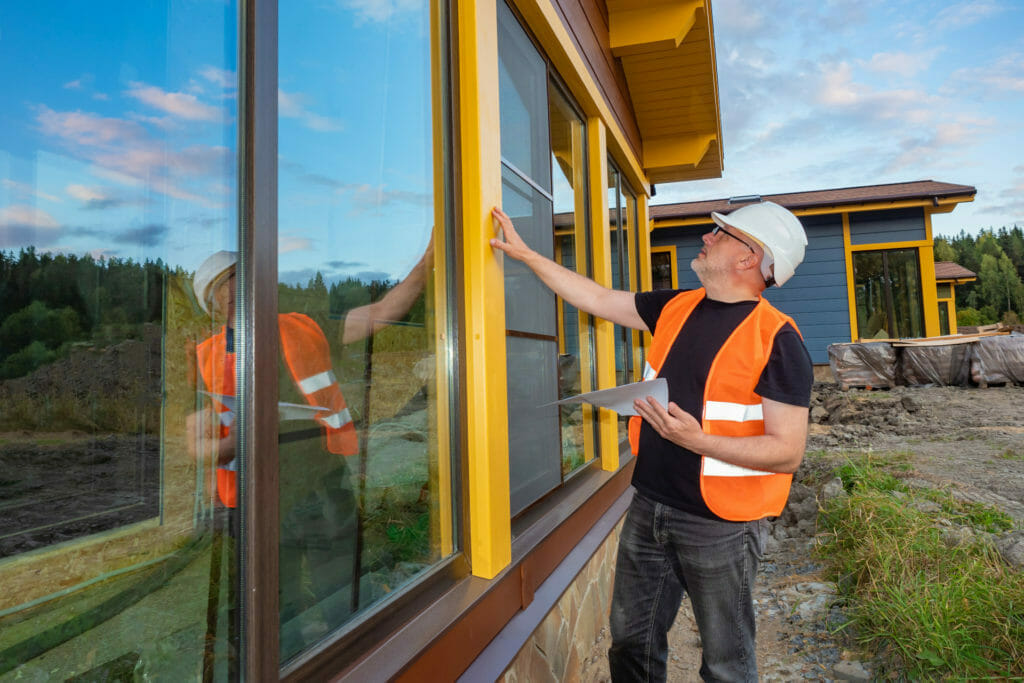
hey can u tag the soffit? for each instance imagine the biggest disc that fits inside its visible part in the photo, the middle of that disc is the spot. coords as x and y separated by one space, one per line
667 52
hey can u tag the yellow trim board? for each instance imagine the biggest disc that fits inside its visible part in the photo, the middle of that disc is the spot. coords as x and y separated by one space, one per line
488 505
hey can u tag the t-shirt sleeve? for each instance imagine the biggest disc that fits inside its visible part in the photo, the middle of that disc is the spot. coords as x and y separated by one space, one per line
650 304
789 374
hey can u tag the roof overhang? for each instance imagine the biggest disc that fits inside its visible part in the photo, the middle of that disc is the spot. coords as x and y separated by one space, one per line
667 50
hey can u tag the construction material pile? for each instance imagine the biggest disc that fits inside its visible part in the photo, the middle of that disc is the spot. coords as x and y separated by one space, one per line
988 357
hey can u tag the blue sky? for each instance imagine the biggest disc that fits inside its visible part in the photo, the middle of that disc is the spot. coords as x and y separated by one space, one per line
821 95
118 130
118 133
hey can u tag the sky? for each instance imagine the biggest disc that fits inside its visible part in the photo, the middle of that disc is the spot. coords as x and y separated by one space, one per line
119 122
119 127
846 93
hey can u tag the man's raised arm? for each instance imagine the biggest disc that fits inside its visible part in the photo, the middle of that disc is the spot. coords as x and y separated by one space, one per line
611 304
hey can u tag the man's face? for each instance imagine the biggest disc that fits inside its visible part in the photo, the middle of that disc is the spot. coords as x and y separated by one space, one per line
723 248
224 296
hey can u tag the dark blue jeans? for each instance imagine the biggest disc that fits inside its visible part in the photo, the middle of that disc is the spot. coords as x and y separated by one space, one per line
664 553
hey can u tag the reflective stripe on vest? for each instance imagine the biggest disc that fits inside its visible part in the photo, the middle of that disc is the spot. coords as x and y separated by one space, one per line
307 356
731 406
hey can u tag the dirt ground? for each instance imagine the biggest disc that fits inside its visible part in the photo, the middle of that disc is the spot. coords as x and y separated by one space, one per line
967 439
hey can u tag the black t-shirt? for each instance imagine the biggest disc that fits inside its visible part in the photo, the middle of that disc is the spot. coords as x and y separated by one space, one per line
669 473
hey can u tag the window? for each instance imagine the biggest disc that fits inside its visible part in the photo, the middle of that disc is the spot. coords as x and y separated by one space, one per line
122 256
888 294
619 225
663 268
117 179
548 343
365 472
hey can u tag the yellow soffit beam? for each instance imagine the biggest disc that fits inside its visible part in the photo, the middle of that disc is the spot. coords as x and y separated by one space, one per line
651 27
672 151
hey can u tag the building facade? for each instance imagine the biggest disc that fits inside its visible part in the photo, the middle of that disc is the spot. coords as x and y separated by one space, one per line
180 498
869 271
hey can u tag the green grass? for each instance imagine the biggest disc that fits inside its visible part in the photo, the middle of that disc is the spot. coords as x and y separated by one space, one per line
1011 454
930 611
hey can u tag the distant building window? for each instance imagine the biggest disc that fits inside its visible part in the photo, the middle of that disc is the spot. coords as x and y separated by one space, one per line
888 294
662 276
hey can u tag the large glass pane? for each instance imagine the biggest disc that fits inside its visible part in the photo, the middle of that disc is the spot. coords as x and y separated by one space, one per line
661 269
620 273
523 84
905 279
575 367
365 485
888 294
117 179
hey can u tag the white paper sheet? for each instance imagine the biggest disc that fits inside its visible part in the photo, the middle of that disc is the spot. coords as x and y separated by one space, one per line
620 399
285 410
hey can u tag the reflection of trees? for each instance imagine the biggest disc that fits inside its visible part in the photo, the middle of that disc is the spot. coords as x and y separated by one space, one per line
48 302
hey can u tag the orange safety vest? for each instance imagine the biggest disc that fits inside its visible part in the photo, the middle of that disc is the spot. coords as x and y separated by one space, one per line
307 355
731 406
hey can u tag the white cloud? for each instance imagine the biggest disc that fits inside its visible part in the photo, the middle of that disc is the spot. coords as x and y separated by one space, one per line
963 14
287 243
26 190
293 106
86 194
21 215
1003 77
182 105
905 64
380 10
123 151
219 77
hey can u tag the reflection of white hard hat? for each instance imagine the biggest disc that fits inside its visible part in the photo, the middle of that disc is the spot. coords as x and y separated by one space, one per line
778 231
209 273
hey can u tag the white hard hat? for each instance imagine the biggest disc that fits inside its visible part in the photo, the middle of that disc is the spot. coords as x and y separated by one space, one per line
209 273
778 231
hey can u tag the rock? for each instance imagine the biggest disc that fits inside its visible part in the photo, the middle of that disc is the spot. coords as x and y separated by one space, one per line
818 414
1011 548
850 671
833 489
926 506
958 536
909 404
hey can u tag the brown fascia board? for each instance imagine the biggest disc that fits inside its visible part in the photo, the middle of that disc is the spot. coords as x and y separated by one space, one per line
816 199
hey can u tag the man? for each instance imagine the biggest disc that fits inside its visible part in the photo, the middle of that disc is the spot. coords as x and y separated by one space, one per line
718 459
317 501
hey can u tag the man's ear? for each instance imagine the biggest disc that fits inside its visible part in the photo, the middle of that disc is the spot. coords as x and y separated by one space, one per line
748 261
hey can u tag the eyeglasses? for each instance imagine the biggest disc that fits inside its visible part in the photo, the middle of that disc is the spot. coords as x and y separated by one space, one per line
718 228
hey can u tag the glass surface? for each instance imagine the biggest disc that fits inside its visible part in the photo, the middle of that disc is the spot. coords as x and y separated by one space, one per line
529 304
631 210
523 84
943 318
117 179
365 483
532 420
620 273
661 270
888 294
575 367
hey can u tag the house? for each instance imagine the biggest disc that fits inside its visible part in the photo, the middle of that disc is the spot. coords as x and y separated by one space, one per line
184 495
869 270
947 276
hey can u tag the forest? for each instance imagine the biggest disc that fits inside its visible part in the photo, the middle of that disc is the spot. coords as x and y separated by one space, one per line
997 258
49 303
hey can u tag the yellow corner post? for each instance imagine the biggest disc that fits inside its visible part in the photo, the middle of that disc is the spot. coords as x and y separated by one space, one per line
485 407
604 331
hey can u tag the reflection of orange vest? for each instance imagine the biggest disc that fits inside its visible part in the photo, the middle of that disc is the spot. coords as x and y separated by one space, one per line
731 406
308 357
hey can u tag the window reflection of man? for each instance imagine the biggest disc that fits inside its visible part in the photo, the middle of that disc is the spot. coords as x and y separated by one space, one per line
318 508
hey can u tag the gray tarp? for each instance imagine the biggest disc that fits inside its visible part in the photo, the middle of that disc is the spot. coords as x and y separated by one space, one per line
868 364
998 360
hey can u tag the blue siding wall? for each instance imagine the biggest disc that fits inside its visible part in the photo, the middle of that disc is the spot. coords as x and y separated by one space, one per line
896 225
815 297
